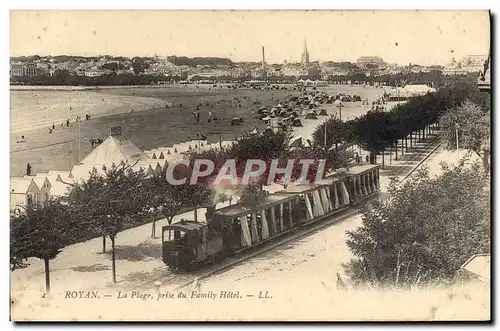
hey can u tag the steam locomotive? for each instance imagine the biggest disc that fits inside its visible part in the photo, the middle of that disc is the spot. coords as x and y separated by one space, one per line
248 224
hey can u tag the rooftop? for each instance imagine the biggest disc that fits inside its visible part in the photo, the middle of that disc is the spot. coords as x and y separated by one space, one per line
239 208
186 225
20 185
356 170
479 265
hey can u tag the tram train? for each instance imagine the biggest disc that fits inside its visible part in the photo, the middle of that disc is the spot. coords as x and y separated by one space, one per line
242 226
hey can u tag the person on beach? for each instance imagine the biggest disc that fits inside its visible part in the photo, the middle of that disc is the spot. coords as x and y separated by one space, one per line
53 126
28 170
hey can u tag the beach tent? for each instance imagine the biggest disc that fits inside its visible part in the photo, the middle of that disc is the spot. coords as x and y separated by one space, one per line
145 166
59 189
103 168
311 116
163 162
23 191
114 149
44 186
477 268
297 142
297 122
81 172
398 92
173 157
156 166
60 173
268 130
413 90
322 112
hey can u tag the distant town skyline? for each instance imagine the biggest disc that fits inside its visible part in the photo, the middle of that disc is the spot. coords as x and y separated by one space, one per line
402 37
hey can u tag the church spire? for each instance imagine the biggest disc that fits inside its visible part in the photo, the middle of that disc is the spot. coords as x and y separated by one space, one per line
305 55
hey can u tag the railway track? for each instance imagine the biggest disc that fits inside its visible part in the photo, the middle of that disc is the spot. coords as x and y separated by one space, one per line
299 233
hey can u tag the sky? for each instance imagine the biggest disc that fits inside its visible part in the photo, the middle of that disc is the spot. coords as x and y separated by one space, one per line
420 37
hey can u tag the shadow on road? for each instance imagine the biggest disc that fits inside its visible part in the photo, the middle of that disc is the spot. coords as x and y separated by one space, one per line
90 268
145 276
136 253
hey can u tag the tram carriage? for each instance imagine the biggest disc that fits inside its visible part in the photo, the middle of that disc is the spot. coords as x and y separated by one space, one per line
245 225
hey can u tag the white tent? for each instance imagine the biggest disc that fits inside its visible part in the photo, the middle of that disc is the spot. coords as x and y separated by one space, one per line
114 149
298 141
59 189
81 172
417 90
43 184
22 192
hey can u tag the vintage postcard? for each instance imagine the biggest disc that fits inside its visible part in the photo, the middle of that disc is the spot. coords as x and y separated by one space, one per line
250 165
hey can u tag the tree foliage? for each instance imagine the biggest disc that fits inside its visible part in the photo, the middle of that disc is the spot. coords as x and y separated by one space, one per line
163 200
41 231
195 61
110 200
473 125
423 230
337 132
377 130
109 203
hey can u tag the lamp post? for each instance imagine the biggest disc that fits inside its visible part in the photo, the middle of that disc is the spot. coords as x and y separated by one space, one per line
324 123
340 105
456 136
79 145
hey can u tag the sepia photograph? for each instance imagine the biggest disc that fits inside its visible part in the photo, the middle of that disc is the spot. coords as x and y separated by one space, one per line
250 165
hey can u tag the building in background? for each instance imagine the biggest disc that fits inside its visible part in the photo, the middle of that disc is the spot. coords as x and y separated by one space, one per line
371 63
469 64
23 70
484 80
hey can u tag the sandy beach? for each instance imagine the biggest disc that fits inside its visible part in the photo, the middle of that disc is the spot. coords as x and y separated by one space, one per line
150 125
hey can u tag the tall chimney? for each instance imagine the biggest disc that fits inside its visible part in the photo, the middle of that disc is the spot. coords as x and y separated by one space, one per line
264 64
263 59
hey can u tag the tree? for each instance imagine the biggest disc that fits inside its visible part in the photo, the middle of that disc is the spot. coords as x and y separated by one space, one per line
200 195
164 199
423 230
262 146
110 202
375 131
473 125
41 231
337 132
